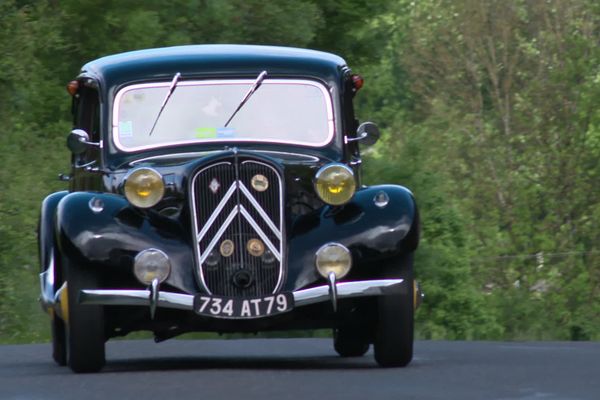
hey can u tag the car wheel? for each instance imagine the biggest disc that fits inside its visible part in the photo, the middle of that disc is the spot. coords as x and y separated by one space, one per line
58 329
85 326
393 343
59 346
349 343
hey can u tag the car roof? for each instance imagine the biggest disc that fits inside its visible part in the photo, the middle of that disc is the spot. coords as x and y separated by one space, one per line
213 60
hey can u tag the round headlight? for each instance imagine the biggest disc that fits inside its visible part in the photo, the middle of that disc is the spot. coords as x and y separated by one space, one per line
335 184
333 257
151 264
144 187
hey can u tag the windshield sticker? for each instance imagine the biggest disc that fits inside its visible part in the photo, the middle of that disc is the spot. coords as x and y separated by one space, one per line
206 133
125 129
225 133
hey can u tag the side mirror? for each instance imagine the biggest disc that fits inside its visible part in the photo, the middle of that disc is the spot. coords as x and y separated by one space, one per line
78 141
367 133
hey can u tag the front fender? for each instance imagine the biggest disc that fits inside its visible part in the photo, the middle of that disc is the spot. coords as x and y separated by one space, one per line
102 231
374 235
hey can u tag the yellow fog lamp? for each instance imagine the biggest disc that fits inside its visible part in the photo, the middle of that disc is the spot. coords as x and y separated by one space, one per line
335 184
333 257
144 187
151 264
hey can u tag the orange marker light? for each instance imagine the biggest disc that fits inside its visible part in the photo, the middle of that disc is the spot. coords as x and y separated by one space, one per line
72 87
358 82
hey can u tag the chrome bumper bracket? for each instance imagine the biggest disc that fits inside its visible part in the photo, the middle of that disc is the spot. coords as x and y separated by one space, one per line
154 292
332 290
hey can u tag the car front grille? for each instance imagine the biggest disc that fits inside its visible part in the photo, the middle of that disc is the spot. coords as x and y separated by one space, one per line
238 221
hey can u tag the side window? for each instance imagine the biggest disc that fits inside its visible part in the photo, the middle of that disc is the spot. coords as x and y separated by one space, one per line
86 112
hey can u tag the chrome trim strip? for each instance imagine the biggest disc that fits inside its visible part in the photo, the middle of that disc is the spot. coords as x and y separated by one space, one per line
306 156
260 232
216 213
260 210
217 236
326 95
190 154
186 301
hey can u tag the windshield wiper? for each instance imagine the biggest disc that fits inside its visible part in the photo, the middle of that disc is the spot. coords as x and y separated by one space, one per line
167 97
259 79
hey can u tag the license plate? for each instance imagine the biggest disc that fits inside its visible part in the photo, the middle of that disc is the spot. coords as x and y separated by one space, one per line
235 308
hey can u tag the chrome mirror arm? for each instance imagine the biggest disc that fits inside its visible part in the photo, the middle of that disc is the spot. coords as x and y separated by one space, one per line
362 136
87 142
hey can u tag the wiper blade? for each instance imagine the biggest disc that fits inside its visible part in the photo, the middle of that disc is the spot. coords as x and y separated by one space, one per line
167 97
259 79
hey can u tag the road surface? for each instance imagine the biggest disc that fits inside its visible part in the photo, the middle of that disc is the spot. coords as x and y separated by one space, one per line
307 369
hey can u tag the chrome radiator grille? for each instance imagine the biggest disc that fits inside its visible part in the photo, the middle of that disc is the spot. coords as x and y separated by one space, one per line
238 221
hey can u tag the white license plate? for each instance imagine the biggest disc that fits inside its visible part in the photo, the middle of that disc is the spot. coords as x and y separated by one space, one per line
236 308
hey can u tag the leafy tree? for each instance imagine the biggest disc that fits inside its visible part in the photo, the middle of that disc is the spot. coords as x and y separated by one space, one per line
506 94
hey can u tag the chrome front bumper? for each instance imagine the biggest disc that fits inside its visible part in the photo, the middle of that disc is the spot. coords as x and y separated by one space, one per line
154 298
186 301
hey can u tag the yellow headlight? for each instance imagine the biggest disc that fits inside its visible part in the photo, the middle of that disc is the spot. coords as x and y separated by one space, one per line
144 187
335 184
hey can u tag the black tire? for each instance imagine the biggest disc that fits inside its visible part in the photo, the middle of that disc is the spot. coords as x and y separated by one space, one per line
393 345
350 343
57 325
59 337
85 327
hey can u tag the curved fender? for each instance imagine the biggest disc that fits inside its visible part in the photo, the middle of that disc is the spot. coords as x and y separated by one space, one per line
46 227
104 231
373 234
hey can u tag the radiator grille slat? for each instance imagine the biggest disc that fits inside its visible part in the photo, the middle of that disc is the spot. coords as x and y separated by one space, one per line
225 189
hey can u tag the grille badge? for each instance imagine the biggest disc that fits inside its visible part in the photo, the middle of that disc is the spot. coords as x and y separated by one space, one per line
255 247
227 248
260 183
214 186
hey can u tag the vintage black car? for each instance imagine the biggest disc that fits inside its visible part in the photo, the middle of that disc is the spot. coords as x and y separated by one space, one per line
217 188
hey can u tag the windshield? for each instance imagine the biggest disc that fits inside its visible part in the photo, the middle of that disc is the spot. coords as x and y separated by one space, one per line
284 111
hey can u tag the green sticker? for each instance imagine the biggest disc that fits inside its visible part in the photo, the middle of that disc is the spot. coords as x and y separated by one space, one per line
206 133
125 129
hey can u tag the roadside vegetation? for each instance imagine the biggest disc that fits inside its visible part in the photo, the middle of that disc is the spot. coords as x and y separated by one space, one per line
490 112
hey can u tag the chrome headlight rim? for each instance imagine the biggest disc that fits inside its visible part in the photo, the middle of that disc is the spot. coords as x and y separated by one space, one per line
138 264
133 200
324 169
320 268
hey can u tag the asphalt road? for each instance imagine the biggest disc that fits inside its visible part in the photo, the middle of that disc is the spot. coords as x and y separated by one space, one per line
307 369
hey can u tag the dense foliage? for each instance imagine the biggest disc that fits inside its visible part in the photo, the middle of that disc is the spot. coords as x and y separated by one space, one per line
490 115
